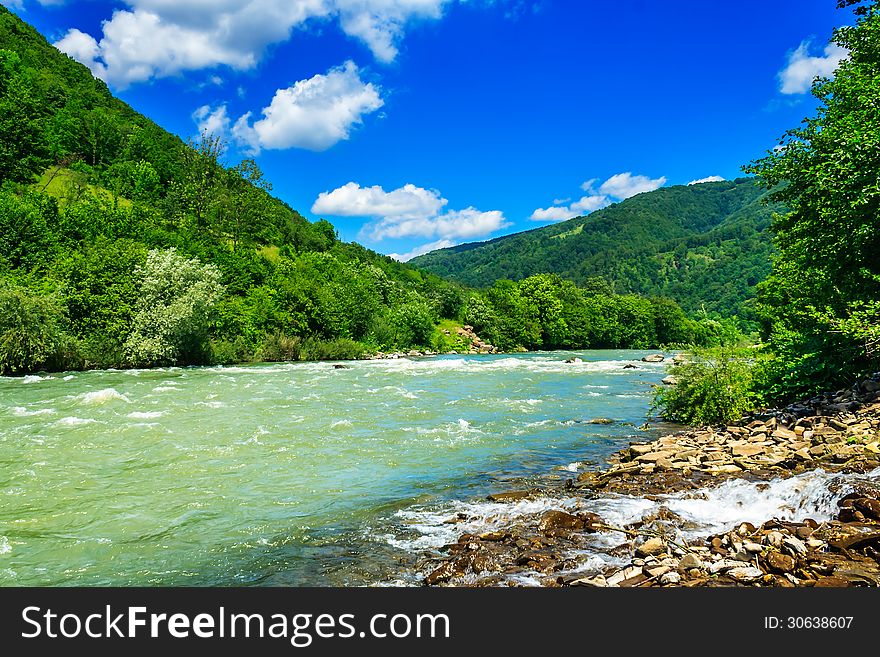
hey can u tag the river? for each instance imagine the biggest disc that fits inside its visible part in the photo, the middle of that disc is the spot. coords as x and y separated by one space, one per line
285 474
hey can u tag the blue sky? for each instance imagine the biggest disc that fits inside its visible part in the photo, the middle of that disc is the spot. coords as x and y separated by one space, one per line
419 123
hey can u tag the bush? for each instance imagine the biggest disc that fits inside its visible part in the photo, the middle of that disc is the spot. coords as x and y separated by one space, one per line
715 386
174 306
278 347
30 330
341 349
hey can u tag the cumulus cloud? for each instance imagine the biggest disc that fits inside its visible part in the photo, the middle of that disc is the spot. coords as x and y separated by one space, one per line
407 212
454 225
313 114
707 179
618 187
407 202
160 38
83 48
802 68
212 121
421 250
625 185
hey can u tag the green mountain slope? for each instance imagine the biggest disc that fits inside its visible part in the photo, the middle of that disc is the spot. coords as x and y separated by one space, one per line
122 245
702 245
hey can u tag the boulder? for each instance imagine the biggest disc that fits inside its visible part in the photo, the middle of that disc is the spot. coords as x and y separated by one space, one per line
652 547
654 358
551 520
780 563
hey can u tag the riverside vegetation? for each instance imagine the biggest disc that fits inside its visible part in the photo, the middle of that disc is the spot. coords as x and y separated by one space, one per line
122 246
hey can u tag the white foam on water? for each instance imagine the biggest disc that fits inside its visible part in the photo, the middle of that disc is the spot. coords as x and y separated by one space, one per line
5 547
574 466
33 378
102 397
167 388
21 411
211 404
545 365
74 421
145 415
340 423
69 377
706 511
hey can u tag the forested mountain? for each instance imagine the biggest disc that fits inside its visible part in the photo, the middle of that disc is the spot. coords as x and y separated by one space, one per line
702 245
123 246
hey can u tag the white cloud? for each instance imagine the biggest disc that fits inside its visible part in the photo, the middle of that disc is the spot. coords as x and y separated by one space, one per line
408 211
212 121
585 205
802 68
454 225
160 38
707 180
352 200
83 48
421 250
624 185
313 114
620 187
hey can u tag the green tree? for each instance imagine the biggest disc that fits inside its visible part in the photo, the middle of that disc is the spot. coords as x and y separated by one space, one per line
31 330
820 302
175 299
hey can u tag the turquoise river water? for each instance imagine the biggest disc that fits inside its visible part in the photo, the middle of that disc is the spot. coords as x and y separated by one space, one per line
285 474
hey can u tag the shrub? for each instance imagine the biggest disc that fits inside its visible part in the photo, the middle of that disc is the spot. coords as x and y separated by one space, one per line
174 306
340 349
30 329
715 386
278 347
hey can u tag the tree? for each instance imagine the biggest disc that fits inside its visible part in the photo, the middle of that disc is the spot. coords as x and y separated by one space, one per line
23 151
30 329
820 301
173 310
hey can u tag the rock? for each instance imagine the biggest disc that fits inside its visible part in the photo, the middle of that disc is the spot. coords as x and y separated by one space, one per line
689 561
794 545
639 450
630 366
870 508
747 450
512 496
574 361
670 381
753 548
340 366
670 579
780 563
598 581
446 572
654 572
654 358
651 457
601 420
653 546
551 520
746 574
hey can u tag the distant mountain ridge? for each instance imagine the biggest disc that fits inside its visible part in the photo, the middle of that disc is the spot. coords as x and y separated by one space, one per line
705 246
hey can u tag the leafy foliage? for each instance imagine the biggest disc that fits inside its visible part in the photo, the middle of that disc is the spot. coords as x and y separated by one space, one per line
820 305
714 386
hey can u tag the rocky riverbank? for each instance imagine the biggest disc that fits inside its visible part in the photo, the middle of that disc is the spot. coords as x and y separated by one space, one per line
834 433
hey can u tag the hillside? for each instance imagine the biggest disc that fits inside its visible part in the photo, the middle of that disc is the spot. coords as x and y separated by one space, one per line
123 246
702 245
